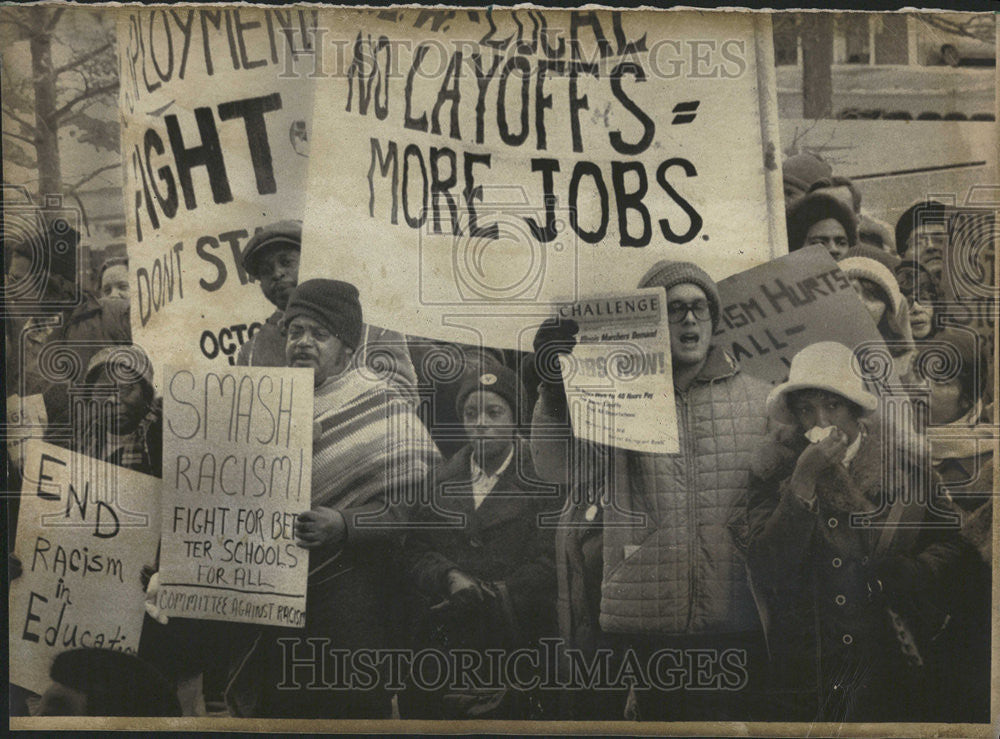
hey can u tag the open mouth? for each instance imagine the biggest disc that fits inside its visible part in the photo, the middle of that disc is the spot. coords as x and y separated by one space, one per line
689 339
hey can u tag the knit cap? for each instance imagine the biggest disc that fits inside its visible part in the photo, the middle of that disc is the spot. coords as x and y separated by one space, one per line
802 170
333 303
667 274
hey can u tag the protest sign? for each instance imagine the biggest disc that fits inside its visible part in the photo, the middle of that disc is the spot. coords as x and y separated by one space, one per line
237 465
771 312
618 378
505 160
84 530
214 148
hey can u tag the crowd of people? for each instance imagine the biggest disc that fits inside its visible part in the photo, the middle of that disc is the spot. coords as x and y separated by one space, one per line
774 553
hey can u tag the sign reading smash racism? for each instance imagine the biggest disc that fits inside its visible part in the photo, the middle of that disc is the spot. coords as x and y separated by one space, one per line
84 530
213 142
517 157
237 462
771 312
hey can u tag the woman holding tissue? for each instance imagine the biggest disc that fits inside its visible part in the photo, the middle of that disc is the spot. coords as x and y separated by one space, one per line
851 577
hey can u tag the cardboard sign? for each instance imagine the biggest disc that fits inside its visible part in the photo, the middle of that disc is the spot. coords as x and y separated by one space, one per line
503 161
237 466
84 530
619 379
214 128
771 312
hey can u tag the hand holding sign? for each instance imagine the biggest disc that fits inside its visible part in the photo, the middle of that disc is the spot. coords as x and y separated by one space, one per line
320 527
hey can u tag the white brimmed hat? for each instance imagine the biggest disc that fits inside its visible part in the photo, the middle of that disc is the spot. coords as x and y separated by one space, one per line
825 365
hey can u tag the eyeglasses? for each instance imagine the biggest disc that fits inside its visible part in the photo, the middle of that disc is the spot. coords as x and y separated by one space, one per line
677 310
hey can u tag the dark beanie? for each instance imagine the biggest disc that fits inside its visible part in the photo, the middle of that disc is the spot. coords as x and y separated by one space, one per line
280 234
816 207
924 211
495 377
333 303
667 274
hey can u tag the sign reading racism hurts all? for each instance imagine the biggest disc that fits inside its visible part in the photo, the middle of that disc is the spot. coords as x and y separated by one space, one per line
769 313
85 528
469 169
214 148
237 466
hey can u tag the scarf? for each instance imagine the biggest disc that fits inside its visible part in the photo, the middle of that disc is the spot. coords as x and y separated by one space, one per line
367 441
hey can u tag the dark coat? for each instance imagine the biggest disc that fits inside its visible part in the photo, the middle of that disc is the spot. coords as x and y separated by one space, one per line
811 571
500 543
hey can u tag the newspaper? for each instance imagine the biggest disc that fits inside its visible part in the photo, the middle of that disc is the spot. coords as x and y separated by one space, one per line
618 375
644 369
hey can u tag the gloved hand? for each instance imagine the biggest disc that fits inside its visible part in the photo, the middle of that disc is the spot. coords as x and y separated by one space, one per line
554 337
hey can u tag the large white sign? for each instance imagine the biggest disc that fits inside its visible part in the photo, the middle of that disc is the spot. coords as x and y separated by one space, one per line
467 172
214 127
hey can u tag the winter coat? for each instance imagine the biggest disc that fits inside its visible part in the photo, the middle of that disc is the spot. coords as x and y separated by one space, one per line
501 543
680 569
813 570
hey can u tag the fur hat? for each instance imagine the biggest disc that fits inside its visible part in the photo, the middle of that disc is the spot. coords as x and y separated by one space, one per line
667 274
825 365
333 303
816 207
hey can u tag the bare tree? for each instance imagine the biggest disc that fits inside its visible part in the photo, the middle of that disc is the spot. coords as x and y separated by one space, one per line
60 95
817 59
970 25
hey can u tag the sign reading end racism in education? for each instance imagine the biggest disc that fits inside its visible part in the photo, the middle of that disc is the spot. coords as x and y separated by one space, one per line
502 161
84 530
771 312
619 379
214 147
237 465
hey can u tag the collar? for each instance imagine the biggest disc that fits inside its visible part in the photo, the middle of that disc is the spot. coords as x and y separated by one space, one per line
718 364
478 472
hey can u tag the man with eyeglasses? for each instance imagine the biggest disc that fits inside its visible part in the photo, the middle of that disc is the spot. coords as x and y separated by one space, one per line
676 584
922 235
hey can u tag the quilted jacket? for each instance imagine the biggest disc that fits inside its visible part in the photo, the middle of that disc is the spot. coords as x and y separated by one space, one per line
682 569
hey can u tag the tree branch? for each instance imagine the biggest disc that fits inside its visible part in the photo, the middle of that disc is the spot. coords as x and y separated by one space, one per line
82 59
85 95
7 110
19 137
100 170
54 19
